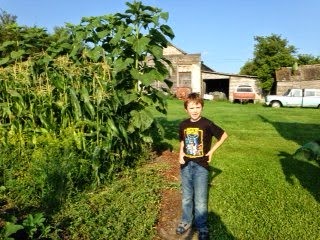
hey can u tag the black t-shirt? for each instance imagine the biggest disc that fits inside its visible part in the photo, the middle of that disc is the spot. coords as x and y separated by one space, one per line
197 137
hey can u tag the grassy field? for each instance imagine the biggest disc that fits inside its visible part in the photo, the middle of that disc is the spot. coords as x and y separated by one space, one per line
258 190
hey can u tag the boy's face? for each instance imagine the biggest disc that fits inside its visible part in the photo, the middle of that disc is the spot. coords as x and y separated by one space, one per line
194 110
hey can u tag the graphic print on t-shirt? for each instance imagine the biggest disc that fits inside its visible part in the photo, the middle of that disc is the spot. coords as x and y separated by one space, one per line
193 142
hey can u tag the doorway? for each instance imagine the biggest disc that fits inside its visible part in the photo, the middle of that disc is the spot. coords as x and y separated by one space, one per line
217 85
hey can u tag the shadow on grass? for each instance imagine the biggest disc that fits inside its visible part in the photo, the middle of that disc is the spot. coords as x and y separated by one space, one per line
171 132
300 133
213 173
217 228
171 128
307 174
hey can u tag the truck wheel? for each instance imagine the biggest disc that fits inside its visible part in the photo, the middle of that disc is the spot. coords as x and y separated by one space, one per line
276 104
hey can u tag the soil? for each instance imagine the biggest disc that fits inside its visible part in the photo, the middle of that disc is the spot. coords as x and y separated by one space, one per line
170 206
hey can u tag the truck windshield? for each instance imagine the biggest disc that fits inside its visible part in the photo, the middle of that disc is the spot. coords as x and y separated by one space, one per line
244 88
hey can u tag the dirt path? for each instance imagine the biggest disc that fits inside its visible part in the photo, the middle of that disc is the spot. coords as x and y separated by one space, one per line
170 206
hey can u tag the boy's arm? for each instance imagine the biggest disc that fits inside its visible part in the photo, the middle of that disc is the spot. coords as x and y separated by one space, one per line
181 153
216 146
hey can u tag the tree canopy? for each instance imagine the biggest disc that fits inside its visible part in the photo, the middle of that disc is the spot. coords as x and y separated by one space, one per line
304 59
6 18
271 53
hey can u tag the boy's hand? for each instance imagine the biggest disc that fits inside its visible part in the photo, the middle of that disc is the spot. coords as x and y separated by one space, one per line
216 146
209 155
181 160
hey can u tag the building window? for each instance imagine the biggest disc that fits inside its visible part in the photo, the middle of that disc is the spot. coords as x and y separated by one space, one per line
184 79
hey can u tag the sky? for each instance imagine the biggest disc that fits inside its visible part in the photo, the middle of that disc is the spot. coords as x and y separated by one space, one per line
221 31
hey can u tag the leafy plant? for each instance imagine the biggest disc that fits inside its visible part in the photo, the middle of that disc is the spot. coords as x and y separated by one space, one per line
33 225
80 111
101 92
9 229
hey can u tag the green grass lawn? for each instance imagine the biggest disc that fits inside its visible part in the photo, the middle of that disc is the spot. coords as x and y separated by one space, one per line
259 191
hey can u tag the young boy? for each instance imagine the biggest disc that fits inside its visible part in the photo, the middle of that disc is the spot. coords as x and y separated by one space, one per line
195 134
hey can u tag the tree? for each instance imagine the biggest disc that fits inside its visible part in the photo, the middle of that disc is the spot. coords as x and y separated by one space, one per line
21 42
6 18
305 59
270 53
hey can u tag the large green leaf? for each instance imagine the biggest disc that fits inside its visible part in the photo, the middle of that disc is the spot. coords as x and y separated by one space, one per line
167 31
164 15
124 133
86 98
58 81
128 98
96 53
15 94
4 60
140 45
121 64
136 74
6 44
141 119
112 127
77 113
103 33
158 37
118 36
11 228
157 51
151 76
17 54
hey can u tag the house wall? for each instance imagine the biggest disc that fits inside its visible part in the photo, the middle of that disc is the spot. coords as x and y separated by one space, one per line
187 75
184 65
171 50
283 86
306 76
234 81
244 80
196 83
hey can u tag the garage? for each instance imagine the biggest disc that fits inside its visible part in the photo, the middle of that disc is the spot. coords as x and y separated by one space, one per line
227 83
216 85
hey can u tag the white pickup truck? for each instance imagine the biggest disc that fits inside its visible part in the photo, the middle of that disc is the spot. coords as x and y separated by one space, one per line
295 98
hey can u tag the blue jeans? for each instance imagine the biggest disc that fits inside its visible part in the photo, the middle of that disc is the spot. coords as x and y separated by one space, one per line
194 179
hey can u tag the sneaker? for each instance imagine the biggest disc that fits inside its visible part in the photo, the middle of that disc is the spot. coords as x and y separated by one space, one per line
182 228
203 235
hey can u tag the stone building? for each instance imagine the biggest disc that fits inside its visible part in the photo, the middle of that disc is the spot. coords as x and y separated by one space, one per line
227 83
305 76
190 74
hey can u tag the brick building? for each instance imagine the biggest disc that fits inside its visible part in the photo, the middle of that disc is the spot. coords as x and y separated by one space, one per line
305 76
190 74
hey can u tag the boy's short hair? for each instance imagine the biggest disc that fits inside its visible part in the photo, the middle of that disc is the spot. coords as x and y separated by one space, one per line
193 97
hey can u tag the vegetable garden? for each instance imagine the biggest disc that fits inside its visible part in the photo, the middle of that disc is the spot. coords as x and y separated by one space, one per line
77 111
79 116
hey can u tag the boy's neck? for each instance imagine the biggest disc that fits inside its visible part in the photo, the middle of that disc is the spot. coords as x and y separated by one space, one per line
195 120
